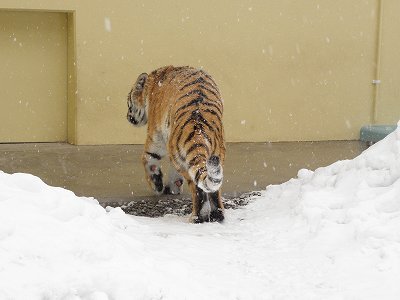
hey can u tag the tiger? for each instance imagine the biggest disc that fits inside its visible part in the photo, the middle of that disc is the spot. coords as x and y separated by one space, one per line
182 107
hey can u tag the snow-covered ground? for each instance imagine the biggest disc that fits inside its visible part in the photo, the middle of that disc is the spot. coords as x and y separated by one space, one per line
329 234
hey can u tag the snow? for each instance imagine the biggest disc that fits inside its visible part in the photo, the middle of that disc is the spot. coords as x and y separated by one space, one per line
332 233
107 24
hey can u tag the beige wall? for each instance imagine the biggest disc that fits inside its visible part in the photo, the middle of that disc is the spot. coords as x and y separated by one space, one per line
288 70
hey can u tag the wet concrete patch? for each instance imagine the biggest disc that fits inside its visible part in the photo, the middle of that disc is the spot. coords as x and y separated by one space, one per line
180 206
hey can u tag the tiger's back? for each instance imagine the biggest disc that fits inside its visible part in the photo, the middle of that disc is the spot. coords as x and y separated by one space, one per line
196 132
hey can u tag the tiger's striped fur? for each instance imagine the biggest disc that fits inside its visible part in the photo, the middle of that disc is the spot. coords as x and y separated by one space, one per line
183 109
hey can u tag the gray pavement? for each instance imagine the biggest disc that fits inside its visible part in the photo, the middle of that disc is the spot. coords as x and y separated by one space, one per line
113 174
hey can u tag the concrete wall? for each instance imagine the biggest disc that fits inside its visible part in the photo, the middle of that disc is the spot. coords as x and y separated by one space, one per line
288 70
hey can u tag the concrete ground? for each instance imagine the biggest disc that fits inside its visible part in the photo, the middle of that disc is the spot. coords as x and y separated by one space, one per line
113 174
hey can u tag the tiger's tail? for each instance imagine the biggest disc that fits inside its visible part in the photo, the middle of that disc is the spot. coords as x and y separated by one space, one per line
210 178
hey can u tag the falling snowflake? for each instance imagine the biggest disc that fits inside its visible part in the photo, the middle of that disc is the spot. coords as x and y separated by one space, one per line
107 24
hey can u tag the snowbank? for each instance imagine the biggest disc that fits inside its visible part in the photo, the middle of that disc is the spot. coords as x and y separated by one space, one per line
329 234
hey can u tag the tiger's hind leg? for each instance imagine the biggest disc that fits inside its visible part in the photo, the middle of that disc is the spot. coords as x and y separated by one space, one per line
217 207
197 198
207 207
152 165
175 182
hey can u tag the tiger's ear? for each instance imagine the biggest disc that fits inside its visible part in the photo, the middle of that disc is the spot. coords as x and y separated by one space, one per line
140 82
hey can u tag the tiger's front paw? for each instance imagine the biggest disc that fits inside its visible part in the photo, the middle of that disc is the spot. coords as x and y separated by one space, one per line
156 183
174 188
155 179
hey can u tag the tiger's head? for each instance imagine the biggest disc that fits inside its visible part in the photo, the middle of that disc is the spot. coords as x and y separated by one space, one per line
137 106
